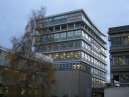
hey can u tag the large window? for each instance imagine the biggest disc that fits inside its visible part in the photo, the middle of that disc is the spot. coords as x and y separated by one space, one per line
63 35
122 40
77 33
63 55
77 44
70 55
56 36
119 60
64 45
83 55
57 46
56 55
70 34
77 54
66 66
44 38
70 26
50 37
70 44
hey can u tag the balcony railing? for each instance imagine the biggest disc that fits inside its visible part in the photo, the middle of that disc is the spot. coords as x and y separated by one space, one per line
119 48
120 67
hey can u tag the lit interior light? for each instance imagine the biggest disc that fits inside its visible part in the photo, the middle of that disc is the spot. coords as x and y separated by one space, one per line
78 66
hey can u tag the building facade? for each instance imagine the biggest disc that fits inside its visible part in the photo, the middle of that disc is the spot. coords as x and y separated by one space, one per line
119 54
77 47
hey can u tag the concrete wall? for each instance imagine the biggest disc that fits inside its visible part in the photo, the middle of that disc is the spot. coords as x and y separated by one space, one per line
116 92
73 83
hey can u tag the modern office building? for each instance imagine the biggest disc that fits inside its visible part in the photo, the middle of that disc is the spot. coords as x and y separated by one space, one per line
119 54
78 49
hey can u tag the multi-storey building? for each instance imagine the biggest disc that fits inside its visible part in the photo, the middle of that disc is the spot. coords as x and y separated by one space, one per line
78 49
119 54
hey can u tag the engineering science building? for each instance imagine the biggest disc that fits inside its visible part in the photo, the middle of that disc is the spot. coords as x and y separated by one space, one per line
78 49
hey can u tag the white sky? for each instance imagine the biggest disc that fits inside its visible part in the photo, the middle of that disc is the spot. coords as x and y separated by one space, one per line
104 13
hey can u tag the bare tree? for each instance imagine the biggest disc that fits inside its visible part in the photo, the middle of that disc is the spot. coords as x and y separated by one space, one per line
25 44
27 74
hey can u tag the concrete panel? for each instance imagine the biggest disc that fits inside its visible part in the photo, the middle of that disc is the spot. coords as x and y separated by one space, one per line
72 83
116 92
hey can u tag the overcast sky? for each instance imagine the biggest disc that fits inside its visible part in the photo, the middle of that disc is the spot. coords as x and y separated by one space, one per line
15 13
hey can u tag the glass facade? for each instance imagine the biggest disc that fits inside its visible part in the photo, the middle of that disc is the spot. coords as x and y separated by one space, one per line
74 66
71 42
59 36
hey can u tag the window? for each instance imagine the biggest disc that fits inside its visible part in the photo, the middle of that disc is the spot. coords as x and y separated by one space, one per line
50 29
62 55
77 44
70 26
127 60
69 34
77 33
92 70
78 66
86 56
92 59
122 40
56 55
120 60
50 37
56 36
77 54
83 44
64 27
48 47
83 55
74 67
89 38
70 45
57 28
64 45
57 46
63 35
127 39
77 25
44 38
70 55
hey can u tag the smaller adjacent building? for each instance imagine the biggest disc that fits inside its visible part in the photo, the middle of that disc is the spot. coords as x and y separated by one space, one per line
119 55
